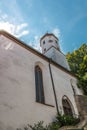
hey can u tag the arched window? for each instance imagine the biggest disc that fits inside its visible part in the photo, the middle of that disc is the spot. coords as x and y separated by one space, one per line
67 106
39 85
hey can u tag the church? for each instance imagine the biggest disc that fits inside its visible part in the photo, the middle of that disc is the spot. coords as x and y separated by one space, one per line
34 86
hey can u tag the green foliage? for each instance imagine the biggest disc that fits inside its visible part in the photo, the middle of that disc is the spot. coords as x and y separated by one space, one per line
40 126
66 120
78 64
53 126
61 120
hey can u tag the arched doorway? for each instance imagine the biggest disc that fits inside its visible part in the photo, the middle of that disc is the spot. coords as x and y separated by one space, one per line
67 106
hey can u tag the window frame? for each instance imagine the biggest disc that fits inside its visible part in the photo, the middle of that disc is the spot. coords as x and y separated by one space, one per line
39 85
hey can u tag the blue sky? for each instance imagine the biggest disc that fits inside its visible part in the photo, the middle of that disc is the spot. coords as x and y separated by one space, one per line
28 20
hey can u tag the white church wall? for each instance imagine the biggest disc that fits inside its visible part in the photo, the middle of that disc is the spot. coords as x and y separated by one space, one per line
18 104
63 87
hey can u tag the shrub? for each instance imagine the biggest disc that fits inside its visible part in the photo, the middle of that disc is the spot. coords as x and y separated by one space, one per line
53 126
40 126
61 120
64 120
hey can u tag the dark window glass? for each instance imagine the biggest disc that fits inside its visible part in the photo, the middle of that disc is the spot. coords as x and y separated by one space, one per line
55 41
50 40
44 49
39 85
43 42
66 107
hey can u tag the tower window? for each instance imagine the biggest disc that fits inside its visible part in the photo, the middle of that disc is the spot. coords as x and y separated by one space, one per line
43 42
44 49
39 85
50 41
55 41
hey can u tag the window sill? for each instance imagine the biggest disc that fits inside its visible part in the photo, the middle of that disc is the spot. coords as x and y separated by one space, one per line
45 104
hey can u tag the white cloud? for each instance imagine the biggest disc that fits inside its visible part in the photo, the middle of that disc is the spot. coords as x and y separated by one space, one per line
4 16
7 23
21 26
25 32
36 43
13 8
16 30
56 32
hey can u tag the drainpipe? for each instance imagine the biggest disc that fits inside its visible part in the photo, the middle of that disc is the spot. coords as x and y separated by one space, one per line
53 86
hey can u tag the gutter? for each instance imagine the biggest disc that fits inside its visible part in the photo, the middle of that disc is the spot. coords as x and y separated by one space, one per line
53 86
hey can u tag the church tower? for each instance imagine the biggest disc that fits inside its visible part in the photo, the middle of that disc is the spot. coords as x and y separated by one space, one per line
50 48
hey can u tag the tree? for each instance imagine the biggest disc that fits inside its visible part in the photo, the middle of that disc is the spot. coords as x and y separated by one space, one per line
78 64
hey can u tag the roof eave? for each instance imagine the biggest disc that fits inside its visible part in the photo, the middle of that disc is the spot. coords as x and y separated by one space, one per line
21 43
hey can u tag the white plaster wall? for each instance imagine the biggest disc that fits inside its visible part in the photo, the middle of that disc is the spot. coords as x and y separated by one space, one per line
17 87
63 87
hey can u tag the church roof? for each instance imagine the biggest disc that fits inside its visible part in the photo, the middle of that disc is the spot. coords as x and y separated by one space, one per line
21 43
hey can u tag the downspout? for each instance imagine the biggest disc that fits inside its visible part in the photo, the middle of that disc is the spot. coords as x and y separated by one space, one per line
53 86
